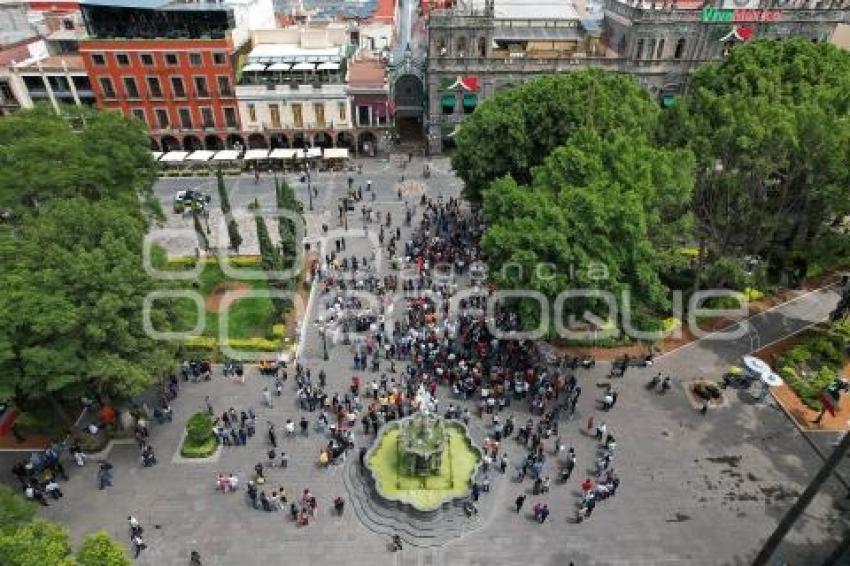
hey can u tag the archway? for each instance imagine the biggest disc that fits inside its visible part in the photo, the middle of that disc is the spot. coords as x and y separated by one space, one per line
298 140
409 98
323 140
234 140
213 143
192 143
279 141
154 145
170 143
257 141
344 139
367 143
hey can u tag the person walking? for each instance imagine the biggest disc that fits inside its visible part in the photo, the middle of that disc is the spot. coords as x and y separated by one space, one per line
519 502
138 545
195 558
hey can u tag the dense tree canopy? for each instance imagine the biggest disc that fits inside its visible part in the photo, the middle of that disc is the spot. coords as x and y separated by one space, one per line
770 130
71 310
517 129
600 213
100 549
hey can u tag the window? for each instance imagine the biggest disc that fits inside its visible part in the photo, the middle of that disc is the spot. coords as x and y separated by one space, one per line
162 118
177 87
363 116
252 113
59 84
185 118
201 87
106 87
461 47
130 88
230 117
224 86
123 59
448 103
660 50
319 111
639 50
207 117
297 118
171 59
680 49
482 47
219 58
139 114
154 88
147 59
274 111
195 59
342 112
82 83
98 59
68 24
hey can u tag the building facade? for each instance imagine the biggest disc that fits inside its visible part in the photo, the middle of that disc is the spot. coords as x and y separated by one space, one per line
171 64
477 50
292 90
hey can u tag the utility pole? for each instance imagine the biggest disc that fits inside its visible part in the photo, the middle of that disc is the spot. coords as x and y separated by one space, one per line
796 510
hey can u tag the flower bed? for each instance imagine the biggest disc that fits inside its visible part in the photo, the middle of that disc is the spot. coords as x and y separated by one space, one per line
814 363
199 441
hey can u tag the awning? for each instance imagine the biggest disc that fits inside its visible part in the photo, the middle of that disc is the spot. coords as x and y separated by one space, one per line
303 67
174 157
668 100
448 101
279 67
200 155
156 155
283 153
327 67
336 153
256 154
226 155
313 152
470 101
254 67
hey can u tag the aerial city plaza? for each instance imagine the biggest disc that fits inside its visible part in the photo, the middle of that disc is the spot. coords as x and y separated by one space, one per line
434 283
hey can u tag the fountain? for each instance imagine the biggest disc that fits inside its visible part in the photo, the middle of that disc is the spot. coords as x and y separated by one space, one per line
423 462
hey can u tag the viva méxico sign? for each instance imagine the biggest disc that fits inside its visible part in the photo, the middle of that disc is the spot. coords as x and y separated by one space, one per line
725 15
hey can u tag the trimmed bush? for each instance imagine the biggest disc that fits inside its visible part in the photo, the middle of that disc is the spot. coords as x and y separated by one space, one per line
199 428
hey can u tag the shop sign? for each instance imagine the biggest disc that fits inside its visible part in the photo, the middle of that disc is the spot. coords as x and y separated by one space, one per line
723 15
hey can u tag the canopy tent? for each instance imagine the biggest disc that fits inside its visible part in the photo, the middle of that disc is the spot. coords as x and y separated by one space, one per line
279 67
226 155
470 101
256 154
283 153
327 67
200 155
313 152
174 157
303 67
254 67
448 101
156 155
336 153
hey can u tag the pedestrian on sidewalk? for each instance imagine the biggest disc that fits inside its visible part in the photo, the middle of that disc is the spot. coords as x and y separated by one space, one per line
519 501
138 545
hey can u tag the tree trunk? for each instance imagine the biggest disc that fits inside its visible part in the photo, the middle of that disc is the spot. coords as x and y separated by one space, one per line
802 502
60 410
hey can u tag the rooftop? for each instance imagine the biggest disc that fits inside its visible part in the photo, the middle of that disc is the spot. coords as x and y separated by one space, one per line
178 5
290 52
53 63
367 73
531 9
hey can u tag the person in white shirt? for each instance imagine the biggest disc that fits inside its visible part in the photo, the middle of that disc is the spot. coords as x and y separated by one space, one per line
233 481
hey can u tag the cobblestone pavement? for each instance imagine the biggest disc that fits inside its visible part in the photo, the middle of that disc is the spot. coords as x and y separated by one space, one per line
695 489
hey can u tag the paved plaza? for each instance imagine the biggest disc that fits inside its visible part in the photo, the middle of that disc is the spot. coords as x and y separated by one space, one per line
696 490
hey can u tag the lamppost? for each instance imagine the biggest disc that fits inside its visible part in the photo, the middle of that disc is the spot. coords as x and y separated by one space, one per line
323 328
307 171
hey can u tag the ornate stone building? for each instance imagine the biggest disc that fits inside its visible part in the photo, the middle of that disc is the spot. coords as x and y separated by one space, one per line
477 49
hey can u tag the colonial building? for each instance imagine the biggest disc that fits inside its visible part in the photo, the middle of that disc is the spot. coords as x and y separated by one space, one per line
291 90
171 64
55 80
476 49
369 90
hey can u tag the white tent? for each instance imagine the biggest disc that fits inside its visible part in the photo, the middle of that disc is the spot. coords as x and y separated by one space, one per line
156 155
336 153
313 152
283 153
226 155
256 154
200 155
279 67
253 67
303 66
328 67
174 156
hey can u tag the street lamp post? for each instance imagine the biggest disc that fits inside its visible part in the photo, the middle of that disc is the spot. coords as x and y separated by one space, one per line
307 171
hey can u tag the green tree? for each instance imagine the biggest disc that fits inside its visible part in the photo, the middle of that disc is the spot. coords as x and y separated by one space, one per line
600 213
516 129
222 193
232 228
100 549
75 271
14 509
96 155
39 543
770 130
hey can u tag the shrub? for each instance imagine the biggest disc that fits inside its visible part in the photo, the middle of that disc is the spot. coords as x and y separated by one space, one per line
208 448
752 294
199 429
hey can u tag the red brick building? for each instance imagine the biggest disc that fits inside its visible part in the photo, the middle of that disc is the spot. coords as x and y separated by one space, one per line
170 64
